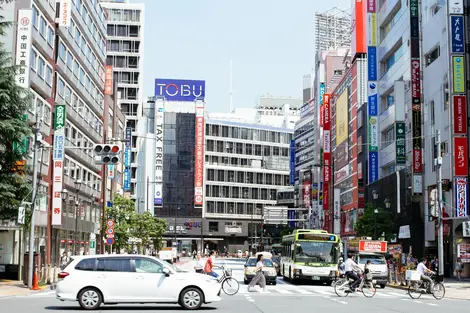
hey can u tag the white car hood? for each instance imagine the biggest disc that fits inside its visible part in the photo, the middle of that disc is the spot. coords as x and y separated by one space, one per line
194 276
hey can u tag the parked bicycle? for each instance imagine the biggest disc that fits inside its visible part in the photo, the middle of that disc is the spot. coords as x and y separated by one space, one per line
229 284
418 288
343 287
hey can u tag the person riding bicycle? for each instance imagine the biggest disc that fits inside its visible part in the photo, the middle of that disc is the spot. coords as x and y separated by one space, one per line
208 267
422 270
351 268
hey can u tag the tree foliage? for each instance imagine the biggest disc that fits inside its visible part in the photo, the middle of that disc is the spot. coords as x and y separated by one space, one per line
128 224
14 102
382 221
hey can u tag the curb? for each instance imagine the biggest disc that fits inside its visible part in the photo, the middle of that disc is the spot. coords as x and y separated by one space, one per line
398 287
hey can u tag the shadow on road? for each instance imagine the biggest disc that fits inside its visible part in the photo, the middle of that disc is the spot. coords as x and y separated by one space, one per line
127 308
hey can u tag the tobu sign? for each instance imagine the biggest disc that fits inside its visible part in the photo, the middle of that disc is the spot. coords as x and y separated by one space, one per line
372 246
199 156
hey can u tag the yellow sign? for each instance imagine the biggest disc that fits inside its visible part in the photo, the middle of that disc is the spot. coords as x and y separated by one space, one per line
373 29
342 118
458 67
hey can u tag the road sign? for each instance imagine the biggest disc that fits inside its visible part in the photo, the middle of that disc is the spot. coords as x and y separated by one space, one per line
110 241
92 244
110 223
21 214
110 231
110 236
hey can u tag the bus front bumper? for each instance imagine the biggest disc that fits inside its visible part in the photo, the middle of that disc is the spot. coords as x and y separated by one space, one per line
314 277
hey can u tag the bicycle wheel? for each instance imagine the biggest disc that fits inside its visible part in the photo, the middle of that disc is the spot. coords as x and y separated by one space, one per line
342 288
438 291
368 289
413 290
230 286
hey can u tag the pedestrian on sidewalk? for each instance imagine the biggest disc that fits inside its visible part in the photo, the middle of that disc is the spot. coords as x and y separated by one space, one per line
458 268
259 275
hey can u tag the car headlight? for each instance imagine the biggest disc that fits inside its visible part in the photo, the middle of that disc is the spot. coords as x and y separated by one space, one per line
333 273
384 272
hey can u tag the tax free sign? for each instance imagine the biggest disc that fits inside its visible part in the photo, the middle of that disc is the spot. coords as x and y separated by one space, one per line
180 89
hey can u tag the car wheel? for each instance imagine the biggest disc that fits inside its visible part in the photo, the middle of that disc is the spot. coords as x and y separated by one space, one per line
382 286
191 299
90 298
275 283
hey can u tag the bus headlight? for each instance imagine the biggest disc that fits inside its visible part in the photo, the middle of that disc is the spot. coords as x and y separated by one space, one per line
297 271
333 273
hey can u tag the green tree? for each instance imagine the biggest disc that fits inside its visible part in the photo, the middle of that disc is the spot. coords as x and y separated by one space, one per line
148 229
14 102
123 213
380 223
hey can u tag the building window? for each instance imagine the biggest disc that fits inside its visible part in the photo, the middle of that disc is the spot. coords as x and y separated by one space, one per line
446 96
388 137
50 36
392 58
49 75
433 55
34 57
41 65
62 51
42 27
432 112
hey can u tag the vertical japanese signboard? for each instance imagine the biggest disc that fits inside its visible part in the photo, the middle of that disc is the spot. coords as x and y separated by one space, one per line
292 162
127 160
199 156
459 104
108 80
400 143
326 148
23 47
159 120
58 164
417 146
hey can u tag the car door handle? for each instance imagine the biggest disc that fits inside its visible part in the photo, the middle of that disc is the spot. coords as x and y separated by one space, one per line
139 277
102 276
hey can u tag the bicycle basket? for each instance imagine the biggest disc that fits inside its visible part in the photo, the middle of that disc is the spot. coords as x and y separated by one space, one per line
228 272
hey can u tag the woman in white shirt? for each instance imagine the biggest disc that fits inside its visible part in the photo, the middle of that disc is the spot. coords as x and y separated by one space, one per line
259 276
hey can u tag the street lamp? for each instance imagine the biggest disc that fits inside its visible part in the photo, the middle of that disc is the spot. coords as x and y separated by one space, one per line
387 203
375 194
375 223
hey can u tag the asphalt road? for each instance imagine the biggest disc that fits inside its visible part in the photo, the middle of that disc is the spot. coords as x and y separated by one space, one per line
281 298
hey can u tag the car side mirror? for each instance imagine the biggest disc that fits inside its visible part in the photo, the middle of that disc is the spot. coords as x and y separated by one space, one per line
166 272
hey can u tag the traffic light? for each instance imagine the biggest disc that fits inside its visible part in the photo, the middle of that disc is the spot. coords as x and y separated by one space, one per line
107 153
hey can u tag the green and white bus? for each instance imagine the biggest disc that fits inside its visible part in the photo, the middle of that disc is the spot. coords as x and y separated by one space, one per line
309 254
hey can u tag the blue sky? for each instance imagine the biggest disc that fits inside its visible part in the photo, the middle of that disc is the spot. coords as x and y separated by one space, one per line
270 43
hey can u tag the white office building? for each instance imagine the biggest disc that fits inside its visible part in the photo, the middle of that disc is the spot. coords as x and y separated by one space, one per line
125 51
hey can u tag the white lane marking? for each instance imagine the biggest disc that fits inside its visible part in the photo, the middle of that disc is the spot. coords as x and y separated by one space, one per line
284 291
398 294
432 304
383 294
305 292
335 300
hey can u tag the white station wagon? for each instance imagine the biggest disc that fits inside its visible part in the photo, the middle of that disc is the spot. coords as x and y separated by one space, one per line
93 280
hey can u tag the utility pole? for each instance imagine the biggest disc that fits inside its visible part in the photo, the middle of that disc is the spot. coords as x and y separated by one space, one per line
440 235
37 127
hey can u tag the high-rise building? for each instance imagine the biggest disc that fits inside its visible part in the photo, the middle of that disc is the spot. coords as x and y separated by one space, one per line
125 51
64 62
332 30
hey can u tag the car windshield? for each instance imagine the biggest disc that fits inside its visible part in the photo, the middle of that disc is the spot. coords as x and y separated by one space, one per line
170 266
252 262
276 259
374 259
316 252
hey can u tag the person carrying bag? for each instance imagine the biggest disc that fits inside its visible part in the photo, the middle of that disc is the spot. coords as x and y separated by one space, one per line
259 276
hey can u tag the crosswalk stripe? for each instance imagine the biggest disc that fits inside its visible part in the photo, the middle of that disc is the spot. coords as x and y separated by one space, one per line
305 292
284 291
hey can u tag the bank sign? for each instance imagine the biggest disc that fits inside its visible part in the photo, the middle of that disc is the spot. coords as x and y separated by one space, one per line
180 89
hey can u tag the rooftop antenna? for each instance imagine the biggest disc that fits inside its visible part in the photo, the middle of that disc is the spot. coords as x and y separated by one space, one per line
231 91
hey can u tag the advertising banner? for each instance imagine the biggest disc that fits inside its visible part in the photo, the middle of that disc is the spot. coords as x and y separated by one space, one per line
159 120
400 143
180 89
373 166
58 163
461 190
322 92
458 70
371 6
326 138
460 115
337 211
342 117
372 29
417 152
326 112
372 63
65 10
461 156
290 218
199 161
457 35
292 162
416 82
23 47
322 109
372 246
326 196
127 160
373 123
463 252
108 80
307 194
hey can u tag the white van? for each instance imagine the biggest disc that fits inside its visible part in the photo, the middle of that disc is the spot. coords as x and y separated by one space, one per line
93 280
378 266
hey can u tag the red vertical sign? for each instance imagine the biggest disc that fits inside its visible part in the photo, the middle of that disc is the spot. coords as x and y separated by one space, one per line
326 149
326 196
108 80
199 157
461 156
460 115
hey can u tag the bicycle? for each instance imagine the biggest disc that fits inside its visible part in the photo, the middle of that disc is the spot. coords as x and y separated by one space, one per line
227 281
343 287
420 287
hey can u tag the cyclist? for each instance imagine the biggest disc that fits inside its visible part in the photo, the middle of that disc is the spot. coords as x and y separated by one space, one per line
422 270
208 268
350 268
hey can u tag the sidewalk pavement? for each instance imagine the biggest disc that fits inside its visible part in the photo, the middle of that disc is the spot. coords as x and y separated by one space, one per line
455 289
13 288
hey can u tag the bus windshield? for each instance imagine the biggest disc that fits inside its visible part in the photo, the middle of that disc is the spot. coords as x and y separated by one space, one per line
315 252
